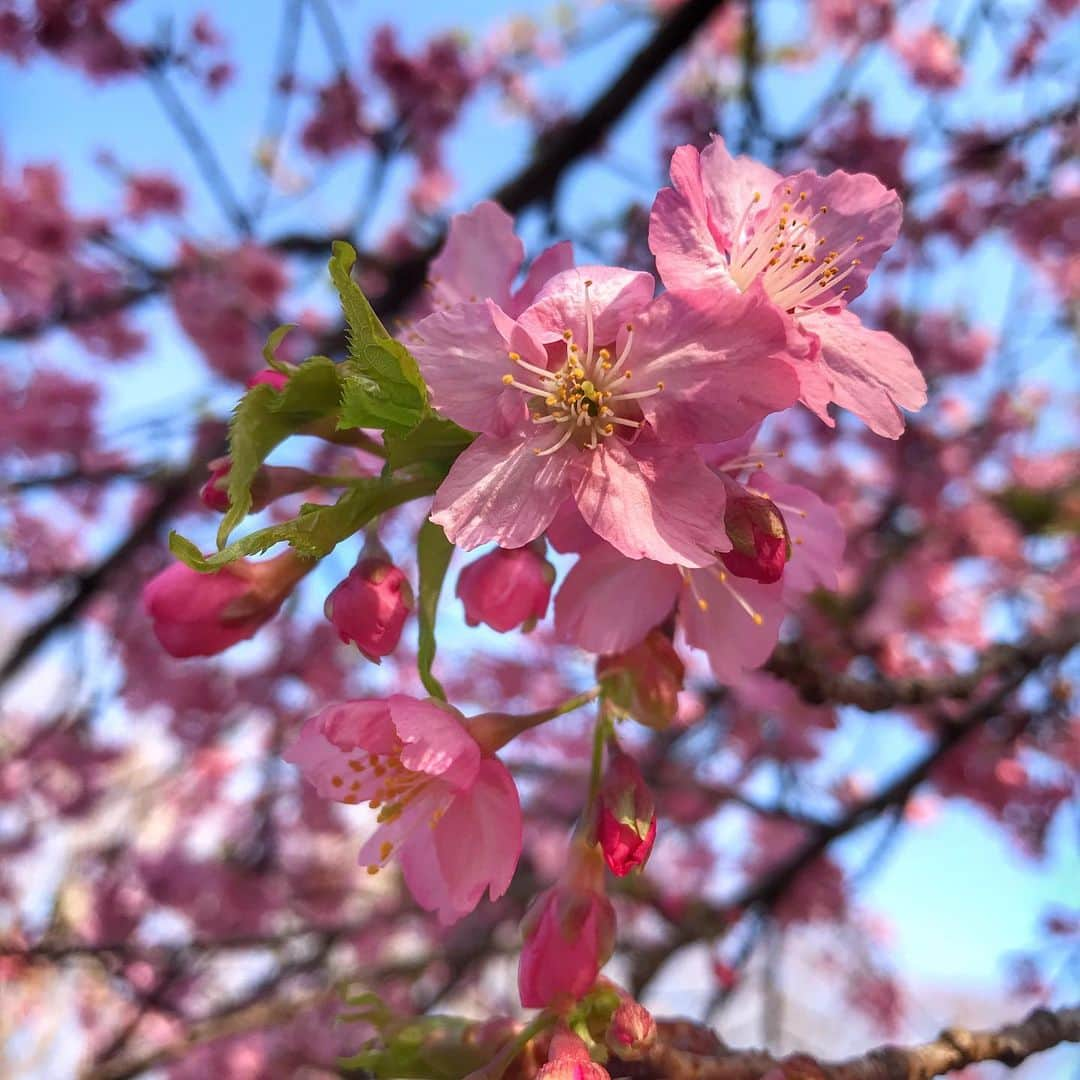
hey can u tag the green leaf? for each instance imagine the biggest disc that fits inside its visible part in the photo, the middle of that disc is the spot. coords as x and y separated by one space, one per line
317 529
276 337
382 385
434 440
433 553
265 417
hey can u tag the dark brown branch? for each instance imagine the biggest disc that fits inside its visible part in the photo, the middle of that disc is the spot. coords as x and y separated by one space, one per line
817 686
954 1048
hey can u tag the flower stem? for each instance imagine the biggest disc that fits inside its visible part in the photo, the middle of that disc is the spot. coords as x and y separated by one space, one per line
494 730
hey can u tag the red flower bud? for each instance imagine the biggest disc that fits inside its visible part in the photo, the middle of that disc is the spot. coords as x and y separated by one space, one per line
507 588
632 1030
626 818
203 614
270 377
760 544
644 682
569 935
370 606
269 484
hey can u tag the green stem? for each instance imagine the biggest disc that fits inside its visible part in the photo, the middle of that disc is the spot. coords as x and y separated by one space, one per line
498 1065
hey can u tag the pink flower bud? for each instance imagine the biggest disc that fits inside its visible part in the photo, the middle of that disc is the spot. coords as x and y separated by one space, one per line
270 377
626 819
569 933
568 1059
760 545
507 588
203 614
632 1030
644 682
370 606
270 483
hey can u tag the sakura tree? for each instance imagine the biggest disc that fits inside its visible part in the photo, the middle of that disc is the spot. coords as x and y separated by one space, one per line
511 527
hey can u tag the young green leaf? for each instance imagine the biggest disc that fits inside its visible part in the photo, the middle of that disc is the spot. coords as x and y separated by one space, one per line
433 553
434 440
382 385
265 417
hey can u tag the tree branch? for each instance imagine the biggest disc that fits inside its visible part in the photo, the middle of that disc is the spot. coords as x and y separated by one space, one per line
954 1048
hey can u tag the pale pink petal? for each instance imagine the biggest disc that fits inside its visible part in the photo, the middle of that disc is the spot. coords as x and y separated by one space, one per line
569 532
817 537
695 224
328 741
617 296
436 741
501 490
732 640
653 501
608 602
463 356
717 455
551 261
871 373
861 223
480 259
410 829
719 358
688 252
478 841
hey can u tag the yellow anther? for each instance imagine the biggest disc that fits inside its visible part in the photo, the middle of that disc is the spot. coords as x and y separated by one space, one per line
514 356
336 781
373 870
758 620
384 850
567 335
702 603
508 380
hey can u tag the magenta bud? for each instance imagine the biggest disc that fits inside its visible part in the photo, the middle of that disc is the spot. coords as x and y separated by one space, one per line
626 818
269 377
370 606
632 1030
507 588
760 544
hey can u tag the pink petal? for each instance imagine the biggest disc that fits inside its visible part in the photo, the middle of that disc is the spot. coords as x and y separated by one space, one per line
436 741
463 356
653 502
733 642
617 296
871 373
480 259
817 539
719 358
569 532
862 222
546 265
608 602
502 490
327 742
695 224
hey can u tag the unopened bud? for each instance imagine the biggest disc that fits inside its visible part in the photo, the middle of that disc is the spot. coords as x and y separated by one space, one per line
370 606
568 1059
507 588
270 483
644 682
626 817
632 1030
760 544
198 614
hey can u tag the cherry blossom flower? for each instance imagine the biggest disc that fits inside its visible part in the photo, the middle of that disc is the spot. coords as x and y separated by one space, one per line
448 812
931 58
731 224
550 394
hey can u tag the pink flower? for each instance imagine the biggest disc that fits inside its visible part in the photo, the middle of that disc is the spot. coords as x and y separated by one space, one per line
732 224
507 588
337 124
569 933
568 1059
152 193
203 614
370 606
931 58
626 817
448 812
549 394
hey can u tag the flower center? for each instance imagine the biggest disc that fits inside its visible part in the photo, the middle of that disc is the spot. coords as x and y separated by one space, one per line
791 254
584 399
